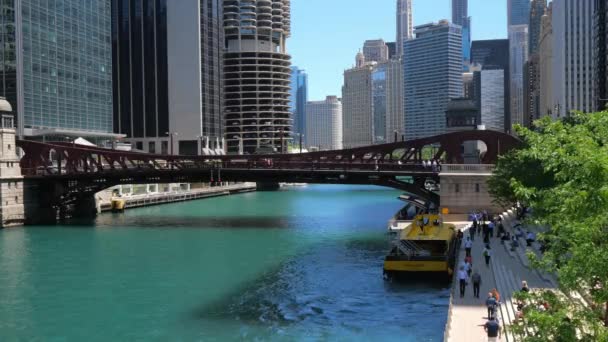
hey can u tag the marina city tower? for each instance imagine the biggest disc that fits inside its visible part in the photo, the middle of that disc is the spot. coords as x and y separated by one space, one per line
257 75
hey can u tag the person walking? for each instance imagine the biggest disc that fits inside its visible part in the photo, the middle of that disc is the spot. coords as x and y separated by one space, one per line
472 231
491 305
524 286
476 278
487 254
468 245
462 279
493 330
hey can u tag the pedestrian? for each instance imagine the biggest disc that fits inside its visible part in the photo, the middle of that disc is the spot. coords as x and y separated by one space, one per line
491 305
468 245
487 253
491 228
472 233
492 328
462 278
524 286
476 278
468 265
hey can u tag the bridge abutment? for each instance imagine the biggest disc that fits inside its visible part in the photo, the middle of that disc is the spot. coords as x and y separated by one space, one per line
464 188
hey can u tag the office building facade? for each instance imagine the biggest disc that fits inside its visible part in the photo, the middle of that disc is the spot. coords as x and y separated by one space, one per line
375 50
405 24
257 75
490 98
433 75
57 87
600 35
518 12
490 53
167 59
357 106
545 53
324 129
518 55
573 51
299 98
460 16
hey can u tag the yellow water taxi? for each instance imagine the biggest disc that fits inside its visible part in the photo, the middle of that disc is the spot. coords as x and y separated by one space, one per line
427 246
118 204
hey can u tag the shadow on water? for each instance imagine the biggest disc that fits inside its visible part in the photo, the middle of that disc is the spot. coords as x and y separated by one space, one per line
120 220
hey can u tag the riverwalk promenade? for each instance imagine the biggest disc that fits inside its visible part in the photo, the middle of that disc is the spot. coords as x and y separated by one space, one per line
506 272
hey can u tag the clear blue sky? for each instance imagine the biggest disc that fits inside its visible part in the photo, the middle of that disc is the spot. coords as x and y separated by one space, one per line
326 34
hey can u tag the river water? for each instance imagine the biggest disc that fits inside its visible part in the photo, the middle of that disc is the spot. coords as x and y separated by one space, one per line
301 264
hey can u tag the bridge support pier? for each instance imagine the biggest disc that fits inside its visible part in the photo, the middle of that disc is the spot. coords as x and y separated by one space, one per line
268 186
464 188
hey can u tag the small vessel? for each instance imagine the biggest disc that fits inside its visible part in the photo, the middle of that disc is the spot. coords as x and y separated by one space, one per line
118 204
425 247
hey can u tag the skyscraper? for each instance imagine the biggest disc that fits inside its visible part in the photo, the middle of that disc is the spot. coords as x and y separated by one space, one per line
433 75
490 53
537 10
545 52
357 106
600 58
490 98
56 69
518 55
518 12
460 16
299 98
532 67
573 50
167 58
375 51
405 24
324 130
257 74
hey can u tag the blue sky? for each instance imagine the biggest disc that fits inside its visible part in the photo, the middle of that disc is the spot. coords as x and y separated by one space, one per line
326 34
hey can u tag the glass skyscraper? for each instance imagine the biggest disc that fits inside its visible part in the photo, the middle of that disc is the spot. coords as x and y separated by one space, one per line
299 98
518 12
379 104
57 66
433 76
460 16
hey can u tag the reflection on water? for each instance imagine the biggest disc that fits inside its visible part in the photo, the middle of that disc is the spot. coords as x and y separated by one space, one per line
304 264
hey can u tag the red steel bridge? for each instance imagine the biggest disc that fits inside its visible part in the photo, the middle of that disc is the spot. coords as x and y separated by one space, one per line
67 173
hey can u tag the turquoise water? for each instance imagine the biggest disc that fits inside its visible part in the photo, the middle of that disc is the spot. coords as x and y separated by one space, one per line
303 264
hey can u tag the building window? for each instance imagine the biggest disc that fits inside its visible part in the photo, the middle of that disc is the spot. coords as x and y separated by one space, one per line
139 146
457 187
477 187
152 147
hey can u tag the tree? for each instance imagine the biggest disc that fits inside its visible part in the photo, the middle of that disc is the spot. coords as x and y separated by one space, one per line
562 173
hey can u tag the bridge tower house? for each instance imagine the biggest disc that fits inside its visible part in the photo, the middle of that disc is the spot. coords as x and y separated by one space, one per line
12 212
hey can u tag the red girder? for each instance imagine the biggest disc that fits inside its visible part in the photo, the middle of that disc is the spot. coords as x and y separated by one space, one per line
56 158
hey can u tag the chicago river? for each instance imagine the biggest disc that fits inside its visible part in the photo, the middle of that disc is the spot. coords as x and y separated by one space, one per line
297 264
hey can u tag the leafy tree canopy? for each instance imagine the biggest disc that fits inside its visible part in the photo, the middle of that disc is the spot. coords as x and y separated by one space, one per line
562 173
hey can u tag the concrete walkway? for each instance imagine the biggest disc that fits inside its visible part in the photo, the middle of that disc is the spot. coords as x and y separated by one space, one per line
507 269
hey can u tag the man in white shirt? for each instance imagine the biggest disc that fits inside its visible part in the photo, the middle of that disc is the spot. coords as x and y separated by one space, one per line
462 278
468 245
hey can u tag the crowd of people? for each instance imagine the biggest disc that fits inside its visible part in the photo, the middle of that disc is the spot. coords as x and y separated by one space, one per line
486 227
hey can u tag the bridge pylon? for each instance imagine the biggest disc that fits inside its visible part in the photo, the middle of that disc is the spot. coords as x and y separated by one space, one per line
12 211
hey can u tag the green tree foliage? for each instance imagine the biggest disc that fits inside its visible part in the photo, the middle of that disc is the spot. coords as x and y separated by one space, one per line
562 173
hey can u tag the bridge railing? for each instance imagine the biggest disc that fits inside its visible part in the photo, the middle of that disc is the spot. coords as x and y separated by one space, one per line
468 168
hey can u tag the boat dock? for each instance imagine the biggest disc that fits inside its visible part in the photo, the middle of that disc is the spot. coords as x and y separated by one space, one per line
507 270
135 201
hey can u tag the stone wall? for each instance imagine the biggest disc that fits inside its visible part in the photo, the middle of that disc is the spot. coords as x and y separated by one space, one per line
462 193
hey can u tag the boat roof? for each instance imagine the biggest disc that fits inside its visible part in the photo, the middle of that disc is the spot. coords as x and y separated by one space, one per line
431 232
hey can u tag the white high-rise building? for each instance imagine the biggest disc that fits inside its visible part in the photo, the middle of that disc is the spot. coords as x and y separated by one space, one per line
375 50
518 55
324 129
490 85
357 110
405 24
573 63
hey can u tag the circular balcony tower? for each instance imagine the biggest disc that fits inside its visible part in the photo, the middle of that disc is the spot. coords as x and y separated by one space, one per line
257 75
